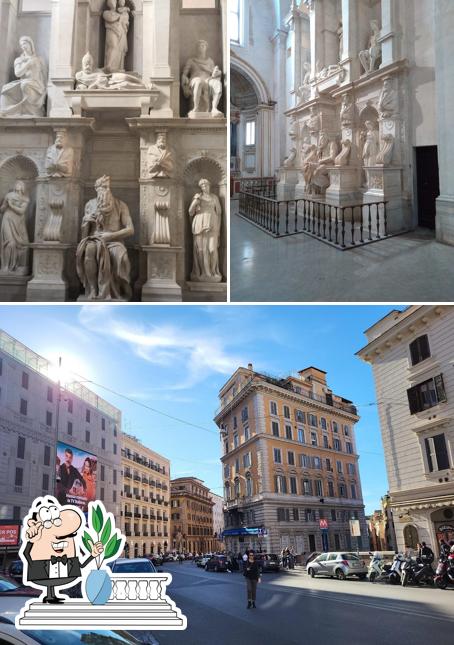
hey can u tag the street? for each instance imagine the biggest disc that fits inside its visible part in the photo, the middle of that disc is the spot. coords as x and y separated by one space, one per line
292 608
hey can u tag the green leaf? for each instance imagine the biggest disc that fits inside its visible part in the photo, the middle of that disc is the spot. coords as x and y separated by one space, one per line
113 546
86 540
106 532
95 520
100 517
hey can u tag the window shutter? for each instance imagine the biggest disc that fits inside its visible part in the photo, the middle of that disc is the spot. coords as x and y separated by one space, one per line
413 399
441 451
429 456
414 352
440 388
276 488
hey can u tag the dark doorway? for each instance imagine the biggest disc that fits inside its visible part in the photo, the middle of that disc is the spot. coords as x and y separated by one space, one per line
428 184
311 543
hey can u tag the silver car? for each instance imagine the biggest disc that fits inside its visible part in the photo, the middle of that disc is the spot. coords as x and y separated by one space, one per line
339 564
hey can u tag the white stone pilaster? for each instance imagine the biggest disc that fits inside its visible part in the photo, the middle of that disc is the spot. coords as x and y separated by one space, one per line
317 37
351 44
156 39
264 162
8 19
61 64
389 37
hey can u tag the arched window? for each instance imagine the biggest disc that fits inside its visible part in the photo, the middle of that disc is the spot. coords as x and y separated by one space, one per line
411 537
237 487
227 490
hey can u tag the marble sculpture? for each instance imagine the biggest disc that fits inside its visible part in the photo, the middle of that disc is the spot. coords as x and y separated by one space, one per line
205 213
13 231
201 80
25 96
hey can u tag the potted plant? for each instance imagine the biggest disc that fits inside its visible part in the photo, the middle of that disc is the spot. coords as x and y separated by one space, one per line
98 585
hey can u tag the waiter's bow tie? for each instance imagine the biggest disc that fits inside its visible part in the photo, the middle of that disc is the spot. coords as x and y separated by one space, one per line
63 559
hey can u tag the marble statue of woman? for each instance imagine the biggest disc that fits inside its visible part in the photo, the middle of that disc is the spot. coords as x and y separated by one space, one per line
370 57
116 36
371 145
26 96
206 214
13 231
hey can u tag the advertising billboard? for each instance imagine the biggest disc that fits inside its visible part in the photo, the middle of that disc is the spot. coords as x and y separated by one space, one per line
9 534
76 476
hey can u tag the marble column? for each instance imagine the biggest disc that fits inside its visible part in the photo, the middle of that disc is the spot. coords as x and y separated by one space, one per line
8 20
444 55
157 32
61 63
316 32
390 38
280 89
350 24
265 163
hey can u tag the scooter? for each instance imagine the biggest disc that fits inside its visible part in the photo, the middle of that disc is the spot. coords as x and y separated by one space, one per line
416 571
378 570
394 577
444 574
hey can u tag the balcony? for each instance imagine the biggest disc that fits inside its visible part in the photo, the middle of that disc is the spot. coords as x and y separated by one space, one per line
128 514
127 475
145 516
144 480
144 533
137 514
137 478
128 533
129 495
152 534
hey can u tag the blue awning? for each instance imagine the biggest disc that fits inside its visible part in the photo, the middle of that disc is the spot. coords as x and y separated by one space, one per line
242 531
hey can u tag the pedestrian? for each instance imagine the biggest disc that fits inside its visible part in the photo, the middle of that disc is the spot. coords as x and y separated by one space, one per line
425 553
245 555
251 571
444 548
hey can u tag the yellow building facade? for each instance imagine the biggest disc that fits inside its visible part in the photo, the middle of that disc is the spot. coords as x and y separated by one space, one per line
191 516
289 461
145 515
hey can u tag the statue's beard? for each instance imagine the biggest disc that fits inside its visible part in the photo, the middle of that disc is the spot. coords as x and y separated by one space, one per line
105 201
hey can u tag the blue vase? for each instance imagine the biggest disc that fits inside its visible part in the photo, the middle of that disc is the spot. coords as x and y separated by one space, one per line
98 587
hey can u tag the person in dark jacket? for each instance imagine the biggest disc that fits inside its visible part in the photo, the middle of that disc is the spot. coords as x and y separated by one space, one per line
251 572
425 553
444 548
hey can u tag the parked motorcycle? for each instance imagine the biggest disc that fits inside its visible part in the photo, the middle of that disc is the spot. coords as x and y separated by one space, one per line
394 577
378 570
415 571
444 574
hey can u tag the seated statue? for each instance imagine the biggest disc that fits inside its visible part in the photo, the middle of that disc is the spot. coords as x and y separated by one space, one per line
60 157
309 165
326 155
370 57
13 231
96 79
102 259
26 96
160 158
201 80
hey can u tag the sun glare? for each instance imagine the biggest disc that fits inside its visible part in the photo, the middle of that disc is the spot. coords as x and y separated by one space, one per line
72 368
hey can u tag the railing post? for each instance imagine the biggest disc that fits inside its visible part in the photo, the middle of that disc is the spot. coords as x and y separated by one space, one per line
370 222
353 225
385 216
378 221
286 217
343 227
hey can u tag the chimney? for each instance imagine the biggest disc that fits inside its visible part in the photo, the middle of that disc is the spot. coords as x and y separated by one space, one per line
250 367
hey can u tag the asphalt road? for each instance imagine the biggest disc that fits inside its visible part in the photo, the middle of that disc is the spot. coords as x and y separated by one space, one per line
293 609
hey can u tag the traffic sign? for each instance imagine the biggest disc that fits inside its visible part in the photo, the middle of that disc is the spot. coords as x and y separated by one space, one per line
323 524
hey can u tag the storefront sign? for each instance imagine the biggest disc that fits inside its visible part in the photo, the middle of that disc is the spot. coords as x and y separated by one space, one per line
9 534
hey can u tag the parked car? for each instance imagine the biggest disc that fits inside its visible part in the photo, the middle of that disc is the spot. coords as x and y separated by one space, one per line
155 559
217 563
15 570
132 565
268 562
196 559
339 564
9 587
312 556
202 562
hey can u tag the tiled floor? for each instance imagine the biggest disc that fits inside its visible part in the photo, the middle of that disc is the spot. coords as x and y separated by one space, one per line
408 268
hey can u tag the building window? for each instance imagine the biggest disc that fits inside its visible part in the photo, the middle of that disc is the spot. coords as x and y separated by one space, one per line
101 493
305 461
288 432
87 436
330 489
48 418
50 394
353 491
333 515
226 471
301 438
286 412
103 423
235 440
323 423
70 427
293 489
250 133
45 481
307 487
235 21
325 441
312 420
314 438
347 431
248 486
277 456
227 491
419 349
114 448
20 447
25 380
23 407
275 428
283 515
237 487
246 433
349 447
296 515
47 455
237 465
351 469
103 443
337 444
273 408
235 423
19 478
87 416
319 487
280 484
309 515
316 463
335 427
339 466
114 475
103 472
244 414
70 406
247 460
300 416
427 394
436 452
291 458
328 465
342 490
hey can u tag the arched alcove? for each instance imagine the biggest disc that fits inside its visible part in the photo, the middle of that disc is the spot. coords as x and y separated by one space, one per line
411 537
23 168
96 36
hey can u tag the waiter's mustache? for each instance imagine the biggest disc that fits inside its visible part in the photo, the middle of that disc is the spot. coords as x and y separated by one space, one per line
69 535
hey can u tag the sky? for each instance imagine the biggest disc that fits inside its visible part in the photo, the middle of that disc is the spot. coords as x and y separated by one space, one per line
174 360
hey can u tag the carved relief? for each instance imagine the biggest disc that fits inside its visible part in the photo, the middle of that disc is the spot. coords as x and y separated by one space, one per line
52 228
160 230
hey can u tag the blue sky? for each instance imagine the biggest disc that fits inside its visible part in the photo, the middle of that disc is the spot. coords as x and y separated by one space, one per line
175 359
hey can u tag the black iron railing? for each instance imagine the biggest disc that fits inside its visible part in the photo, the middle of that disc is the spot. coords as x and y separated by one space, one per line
344 227
265 186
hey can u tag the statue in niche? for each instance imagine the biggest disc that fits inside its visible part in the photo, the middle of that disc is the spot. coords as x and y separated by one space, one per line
60 157
206 215
340 35
96 79
201 80
370 57
346 111
161 229
13 231
371 144
26 96
304 91
387 102
289 162
343 157
160 158
116 21
102 259
318 173
385 153
309 163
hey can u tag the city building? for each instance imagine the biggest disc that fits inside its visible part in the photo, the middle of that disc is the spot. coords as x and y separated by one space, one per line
381 528
341 102
290 464
42 429
145 498
411 356
191 516
218 520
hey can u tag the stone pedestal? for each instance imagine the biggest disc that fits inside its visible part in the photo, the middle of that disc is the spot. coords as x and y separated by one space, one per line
207 291
161 284
48 282
142 100
13 287
385 184
344 186
288 179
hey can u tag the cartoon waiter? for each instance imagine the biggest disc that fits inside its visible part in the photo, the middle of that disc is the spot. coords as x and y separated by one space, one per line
49 555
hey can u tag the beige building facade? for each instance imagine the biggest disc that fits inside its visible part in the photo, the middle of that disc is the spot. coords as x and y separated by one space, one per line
145 499
410 353
289 461
191 516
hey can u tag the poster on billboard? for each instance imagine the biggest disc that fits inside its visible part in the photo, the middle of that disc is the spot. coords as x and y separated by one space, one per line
9 533
76 476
